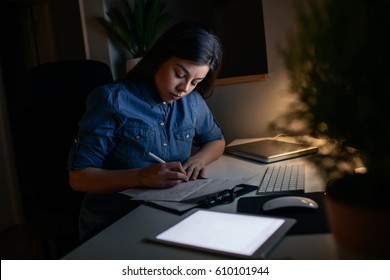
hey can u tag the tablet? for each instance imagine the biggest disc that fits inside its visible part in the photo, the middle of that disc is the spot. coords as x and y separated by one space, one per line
237 235
270 150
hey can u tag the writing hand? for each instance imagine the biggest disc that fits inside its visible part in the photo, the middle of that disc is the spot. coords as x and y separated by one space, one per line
163 175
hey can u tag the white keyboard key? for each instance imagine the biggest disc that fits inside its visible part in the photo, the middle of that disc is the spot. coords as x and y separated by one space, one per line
283 178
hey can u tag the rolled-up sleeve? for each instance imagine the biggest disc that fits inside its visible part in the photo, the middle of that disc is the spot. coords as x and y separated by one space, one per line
97 127
207 128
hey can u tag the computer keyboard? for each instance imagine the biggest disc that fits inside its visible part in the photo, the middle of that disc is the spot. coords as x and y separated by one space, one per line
283 178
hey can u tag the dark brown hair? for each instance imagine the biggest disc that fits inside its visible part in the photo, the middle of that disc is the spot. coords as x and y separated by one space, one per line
185 40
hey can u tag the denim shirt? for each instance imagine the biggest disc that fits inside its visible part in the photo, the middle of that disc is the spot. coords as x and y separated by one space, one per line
124 121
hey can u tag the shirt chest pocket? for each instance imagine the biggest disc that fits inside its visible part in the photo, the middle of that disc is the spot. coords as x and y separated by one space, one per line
185 134
134 142
139 133
184 139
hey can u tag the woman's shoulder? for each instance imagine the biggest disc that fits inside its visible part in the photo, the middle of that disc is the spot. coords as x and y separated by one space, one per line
119 85
196 98
114 90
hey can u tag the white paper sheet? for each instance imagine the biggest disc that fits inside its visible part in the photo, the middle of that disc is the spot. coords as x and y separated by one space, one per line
185 190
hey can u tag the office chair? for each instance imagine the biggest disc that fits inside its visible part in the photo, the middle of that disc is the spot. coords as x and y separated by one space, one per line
55 101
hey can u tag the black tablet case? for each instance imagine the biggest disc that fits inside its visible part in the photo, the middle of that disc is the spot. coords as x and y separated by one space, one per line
309 221
261 252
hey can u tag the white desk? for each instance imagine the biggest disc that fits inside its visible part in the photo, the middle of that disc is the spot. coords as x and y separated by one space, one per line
125 239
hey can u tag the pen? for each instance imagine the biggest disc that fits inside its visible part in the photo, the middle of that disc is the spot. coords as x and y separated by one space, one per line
156 158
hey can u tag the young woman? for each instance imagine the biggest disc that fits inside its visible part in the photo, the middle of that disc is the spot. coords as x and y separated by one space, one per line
158 108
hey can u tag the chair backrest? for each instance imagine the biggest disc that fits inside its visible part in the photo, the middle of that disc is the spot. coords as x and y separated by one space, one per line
56 94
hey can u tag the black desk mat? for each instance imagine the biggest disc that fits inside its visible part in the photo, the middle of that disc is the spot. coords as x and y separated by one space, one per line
309 221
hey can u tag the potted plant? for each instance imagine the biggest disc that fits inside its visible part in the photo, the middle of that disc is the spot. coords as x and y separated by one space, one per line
136 27
338 64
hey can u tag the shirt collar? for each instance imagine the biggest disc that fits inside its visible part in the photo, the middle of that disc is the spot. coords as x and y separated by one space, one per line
150 93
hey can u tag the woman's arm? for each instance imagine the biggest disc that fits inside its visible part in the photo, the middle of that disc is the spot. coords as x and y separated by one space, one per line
97 180
162 175
209 152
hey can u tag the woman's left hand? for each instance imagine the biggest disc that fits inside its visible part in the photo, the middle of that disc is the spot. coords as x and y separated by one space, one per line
195 168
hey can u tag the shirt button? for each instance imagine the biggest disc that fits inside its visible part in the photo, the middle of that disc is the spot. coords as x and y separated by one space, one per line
187 136
137 137
165 144
162 124
165 103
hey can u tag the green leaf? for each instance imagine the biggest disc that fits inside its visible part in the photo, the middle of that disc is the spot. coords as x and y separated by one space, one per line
136 27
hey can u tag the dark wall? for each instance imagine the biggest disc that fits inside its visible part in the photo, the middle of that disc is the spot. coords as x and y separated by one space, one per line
33 32
239 25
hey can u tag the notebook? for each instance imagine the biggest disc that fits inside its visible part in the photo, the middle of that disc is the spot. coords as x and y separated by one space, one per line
270 150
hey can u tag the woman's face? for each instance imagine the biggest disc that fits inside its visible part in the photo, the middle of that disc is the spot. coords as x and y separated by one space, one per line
178 77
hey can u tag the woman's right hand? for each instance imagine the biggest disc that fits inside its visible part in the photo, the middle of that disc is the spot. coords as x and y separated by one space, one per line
98 180
163 175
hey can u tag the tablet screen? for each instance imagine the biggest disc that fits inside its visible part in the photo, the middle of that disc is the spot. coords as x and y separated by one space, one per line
228 233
